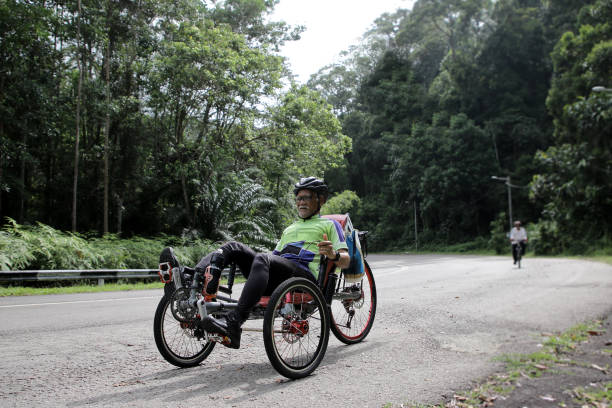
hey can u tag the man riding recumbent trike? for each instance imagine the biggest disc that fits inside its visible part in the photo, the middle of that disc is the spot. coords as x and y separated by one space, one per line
315 280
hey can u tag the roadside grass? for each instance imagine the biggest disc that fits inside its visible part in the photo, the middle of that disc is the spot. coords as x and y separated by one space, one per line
593 395
107 287
88 288
600 258
554 351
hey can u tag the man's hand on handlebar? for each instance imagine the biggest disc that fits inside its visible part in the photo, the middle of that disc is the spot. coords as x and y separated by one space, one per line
326 248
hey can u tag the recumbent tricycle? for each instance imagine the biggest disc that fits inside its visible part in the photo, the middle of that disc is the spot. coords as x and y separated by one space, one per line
297 317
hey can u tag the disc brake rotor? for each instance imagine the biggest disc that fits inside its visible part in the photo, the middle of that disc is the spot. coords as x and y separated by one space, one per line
181 309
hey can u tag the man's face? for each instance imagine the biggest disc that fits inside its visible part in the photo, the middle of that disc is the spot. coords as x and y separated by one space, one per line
307 203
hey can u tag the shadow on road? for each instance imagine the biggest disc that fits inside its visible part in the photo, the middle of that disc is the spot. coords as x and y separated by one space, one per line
232 381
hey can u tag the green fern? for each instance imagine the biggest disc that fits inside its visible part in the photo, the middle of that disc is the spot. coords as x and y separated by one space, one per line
235 210
42 247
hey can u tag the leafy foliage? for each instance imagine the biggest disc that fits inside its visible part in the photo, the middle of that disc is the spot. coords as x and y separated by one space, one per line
43 247
499 235
574 181
189 95
186 104
342 203
238 212
450 100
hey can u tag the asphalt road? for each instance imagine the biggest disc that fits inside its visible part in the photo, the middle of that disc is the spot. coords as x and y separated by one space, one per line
441 321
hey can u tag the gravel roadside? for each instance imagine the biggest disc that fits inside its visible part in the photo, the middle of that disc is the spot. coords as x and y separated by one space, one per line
581 377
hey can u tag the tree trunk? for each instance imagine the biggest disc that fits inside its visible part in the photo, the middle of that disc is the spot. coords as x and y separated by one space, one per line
22 168
186 200
119 213
78 124
179 129
106 132
1 162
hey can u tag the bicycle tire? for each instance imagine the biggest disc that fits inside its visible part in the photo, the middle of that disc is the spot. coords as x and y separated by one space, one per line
519 255
178 342
352 320
296 333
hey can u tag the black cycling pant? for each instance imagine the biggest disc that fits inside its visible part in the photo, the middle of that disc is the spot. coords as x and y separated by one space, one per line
523 245
263 271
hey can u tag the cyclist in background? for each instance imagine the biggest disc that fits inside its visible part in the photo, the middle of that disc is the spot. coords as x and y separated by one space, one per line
518 236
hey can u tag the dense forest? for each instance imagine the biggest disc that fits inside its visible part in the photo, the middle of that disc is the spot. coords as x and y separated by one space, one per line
181 117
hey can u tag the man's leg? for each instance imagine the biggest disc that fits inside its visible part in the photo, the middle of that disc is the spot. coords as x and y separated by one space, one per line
230 252
254 287
233 251
514 252
267 272
282 269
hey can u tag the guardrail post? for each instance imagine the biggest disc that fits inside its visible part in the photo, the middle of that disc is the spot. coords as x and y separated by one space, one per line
100 282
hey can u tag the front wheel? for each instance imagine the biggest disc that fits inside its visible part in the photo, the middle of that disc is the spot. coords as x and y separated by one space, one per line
180 343
519 254
353 308
296 328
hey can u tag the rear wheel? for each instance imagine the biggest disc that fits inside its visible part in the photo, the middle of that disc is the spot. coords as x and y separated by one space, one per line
353 308
180 343
296 328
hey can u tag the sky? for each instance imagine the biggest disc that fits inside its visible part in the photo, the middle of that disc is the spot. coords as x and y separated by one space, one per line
332 26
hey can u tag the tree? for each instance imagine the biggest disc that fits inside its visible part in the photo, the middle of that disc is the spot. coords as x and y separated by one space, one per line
237 210
75 179
446 168
342 203
574 183
303 137
206 84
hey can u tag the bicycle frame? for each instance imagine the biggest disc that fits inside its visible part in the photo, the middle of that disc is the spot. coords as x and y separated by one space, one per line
326 281
225 304
518 252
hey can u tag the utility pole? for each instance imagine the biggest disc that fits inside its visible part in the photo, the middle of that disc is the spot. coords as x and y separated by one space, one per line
416 234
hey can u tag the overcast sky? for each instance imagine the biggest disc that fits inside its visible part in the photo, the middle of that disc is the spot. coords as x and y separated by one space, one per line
331 27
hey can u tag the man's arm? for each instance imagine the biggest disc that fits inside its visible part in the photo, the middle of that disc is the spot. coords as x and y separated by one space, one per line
344 261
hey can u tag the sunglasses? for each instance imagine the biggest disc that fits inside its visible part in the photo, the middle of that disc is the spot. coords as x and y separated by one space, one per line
303 198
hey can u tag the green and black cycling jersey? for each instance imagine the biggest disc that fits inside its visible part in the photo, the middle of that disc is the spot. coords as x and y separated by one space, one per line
299 241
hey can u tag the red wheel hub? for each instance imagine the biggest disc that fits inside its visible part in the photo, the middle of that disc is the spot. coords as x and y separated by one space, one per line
297 327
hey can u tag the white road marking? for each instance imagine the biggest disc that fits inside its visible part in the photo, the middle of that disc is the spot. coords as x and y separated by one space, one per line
76 301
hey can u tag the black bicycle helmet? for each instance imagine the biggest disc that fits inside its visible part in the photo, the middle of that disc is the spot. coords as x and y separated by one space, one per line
313 184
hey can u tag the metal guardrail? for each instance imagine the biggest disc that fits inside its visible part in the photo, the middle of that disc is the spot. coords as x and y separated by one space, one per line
77 274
